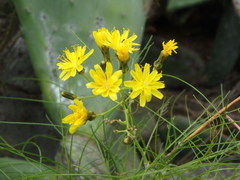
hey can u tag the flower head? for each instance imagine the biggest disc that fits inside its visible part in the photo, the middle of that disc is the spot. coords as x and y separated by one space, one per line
102 37
105 83
145 84
71 62
170 46
77 118
118 40
122 53
123 44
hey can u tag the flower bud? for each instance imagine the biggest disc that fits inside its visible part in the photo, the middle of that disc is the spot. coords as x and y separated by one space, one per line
91 115
68 95
128 139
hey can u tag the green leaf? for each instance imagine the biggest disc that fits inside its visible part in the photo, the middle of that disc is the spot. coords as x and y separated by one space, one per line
14 168
179 4
226 47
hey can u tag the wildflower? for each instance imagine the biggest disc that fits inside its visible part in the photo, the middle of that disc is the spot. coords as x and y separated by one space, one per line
71 62
123 44
145 84
169 47
123 57
122 53
102 37
118 40
77 118
105 83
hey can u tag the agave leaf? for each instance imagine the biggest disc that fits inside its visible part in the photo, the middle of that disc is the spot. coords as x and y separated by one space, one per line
174 5
15 168
226 46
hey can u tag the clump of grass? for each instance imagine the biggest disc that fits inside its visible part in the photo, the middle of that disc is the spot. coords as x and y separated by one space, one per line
140 141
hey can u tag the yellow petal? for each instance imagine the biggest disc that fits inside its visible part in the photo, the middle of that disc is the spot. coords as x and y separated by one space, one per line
113 96
146 70
73 129
157 94
142 100
134 94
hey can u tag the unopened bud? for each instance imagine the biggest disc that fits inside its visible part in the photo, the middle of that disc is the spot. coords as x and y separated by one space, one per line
68 95
103 65
127 140
81 72
91 115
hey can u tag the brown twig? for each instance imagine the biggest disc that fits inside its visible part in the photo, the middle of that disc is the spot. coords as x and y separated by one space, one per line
204 125
233 122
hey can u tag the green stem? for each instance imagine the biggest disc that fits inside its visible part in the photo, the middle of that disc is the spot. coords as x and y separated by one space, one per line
118 121
126 117
125 109
106 54
70 154
143 153
121 131
129 122
114 107
86 77
86 97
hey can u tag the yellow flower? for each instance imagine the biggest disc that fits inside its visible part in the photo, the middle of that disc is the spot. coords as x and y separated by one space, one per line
77 118
105 83
118 40
102 37
145 84
71 62
170 46
122 54
123 44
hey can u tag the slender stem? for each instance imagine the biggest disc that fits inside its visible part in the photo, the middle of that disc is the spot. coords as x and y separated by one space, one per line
86 77
120 131
86 97
128 116
143 153
125 109
126 113
118 121
114 107
70 154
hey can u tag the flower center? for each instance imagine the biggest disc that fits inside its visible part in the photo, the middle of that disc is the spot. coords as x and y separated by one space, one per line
106 84
145 84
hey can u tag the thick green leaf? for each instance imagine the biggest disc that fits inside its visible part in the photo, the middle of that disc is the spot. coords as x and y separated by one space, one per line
14 168
226 47
179 4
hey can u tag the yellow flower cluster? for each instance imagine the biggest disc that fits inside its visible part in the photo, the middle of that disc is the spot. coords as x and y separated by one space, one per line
121 43
106 82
